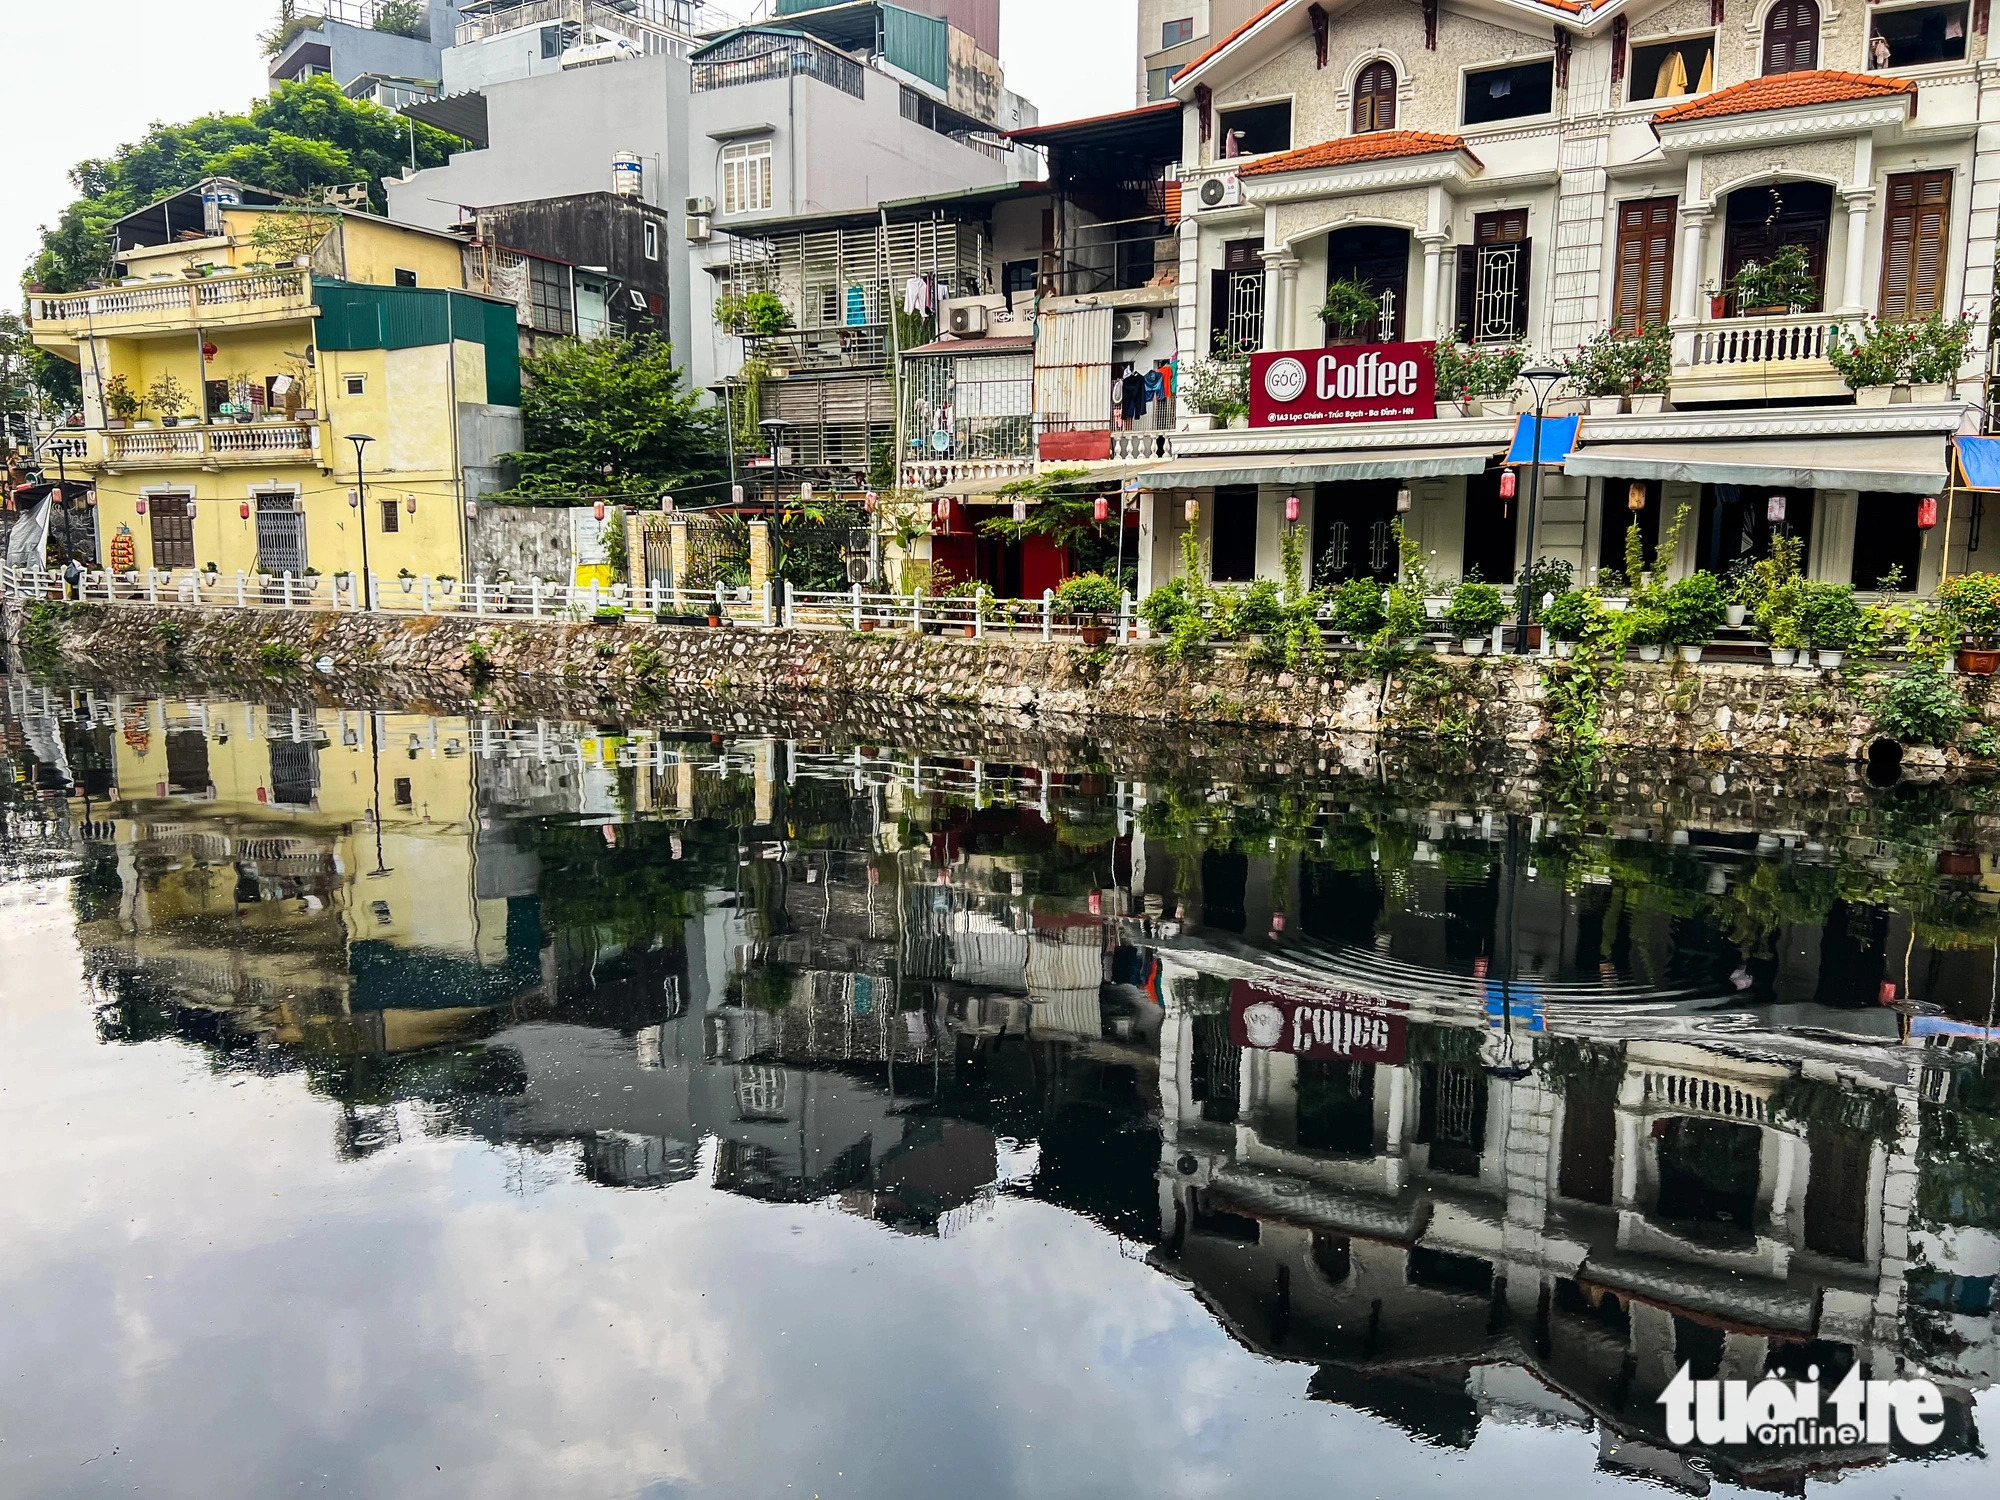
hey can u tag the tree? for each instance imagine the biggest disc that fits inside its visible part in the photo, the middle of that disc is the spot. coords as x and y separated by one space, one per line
408 18
1064 511
611 416
305 137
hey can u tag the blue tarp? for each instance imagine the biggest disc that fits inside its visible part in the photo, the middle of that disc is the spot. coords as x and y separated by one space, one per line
1558 438
1980 458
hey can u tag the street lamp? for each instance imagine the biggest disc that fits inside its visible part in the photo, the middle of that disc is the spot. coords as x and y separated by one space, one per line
362 440
1542 381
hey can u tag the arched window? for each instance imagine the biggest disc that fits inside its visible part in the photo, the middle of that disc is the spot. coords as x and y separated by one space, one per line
1375 98
1791 37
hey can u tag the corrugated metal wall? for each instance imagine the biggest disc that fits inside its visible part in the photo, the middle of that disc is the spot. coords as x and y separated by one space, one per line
918 44
1073 369
356 316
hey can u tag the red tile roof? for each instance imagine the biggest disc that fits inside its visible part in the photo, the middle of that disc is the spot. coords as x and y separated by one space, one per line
1374 146
1781 90
1569 7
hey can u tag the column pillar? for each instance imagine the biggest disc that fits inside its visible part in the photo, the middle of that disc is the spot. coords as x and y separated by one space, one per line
1687 304
677 552
1427 320
1852 294
1281 274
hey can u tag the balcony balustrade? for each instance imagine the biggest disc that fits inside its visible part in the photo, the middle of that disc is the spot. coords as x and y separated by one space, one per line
252 442
1756 358
182 302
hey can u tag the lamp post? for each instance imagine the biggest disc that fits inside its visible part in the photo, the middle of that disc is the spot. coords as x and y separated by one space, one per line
1542 381
362 440
774 428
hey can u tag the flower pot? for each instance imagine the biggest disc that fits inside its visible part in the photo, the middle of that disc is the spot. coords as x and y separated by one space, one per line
1474 645
1197 421
1874 395
971 631
1449 411
1239 424
1410 643
1978 661
1651 653
865 624
1930 394
1647 403
1434 608
115 424
1690 654
1736 614
715 623
1783 656
1094 634
1606 406
1565 649
306 414
1962 863
1718 306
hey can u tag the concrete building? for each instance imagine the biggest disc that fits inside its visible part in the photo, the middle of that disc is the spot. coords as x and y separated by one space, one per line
346 41
1172 33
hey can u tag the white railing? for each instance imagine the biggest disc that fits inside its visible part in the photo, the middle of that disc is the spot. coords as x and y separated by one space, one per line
176 297
262 286
975 618
1760 341
255 440
961 471
1136 443
1691 1093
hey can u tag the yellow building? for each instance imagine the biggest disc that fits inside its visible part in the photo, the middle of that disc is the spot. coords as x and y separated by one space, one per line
227 374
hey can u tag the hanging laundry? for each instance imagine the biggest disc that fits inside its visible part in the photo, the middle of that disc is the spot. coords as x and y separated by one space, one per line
1156 385
1134 402
916 296
1672 79
857 306
1707 80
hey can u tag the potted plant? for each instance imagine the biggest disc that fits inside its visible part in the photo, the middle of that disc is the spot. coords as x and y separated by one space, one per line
1599 370
1646 628
1474 374
1358 608
1217 387
1351 312
1571 617
1783 284
168 397
1403 616
1829 619
1971 604
1740 592
978 594
120 403
756 314
1938 351
1544 579
1474 610
1694 610
1649 364
1088 598
1873 362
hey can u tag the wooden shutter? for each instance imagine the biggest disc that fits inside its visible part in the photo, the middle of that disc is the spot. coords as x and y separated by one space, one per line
173 531
1375 99
1791 37
1645 262
1913 245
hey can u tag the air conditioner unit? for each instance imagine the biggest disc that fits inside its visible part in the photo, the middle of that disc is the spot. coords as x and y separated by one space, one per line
861 569
1132 327
700 228
967 319
1221 192
859 540
701 207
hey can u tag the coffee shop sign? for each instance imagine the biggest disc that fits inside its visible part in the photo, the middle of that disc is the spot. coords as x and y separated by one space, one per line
1349 383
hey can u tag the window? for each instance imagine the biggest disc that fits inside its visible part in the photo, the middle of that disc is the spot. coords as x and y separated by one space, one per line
1921 34
1913 245
652 240
1255 131
746 177
392 518
1510 93
549 306
1233 544
405 797
1173 33
294 772
1760 221
1645 263
1158 81
1667 70
559 38
1791 37
172 518
356 385
1375 98
405 276
1236 297
1493 278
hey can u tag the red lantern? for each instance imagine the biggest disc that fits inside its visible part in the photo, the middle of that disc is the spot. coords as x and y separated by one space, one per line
1927 513
208 352
1102 509
597 510
1291 507
142 505
1507 484
243 510
410 504
944 514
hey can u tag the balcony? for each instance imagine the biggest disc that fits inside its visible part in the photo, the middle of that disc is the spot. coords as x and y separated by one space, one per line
1756 359
205 447
174 305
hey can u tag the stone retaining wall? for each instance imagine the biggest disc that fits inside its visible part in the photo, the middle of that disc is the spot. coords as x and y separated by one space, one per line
1723 709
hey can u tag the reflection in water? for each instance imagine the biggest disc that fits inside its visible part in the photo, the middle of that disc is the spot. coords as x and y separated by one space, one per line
1484 1116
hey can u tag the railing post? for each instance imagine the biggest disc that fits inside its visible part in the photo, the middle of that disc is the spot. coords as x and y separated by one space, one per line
917 612
1048 614
1124 618
285 587
857 605
373 583
979 615
152 585
535 597
770 602
424 593
790 617
240 602
478 594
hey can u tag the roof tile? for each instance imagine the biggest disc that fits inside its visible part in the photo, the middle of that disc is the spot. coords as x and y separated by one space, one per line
1374 146
1782 90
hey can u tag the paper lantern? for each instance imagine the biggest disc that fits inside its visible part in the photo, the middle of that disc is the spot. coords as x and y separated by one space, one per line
1927 513
868 502
1101 509
666 505
1508 484
410 504
243 510
1193 509
142 505
1635 496
1774 508
597 510
472 510
1291 507
944 514
1403 500
354 499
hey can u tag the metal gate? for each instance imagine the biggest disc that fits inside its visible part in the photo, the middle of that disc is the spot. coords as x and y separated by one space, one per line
658 544
718 545
281 533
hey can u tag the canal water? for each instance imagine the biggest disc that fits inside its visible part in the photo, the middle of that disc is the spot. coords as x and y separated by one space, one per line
405 1103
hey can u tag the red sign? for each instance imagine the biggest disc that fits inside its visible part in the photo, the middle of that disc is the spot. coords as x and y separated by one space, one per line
1308 1024
1350 383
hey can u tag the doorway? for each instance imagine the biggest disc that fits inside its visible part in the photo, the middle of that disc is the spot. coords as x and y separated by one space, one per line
1491 525
1736 525
1773 216
281 533
1354 531
1837 1194
1379 258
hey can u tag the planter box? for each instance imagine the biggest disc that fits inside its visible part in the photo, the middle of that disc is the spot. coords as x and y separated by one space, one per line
1197 421
1874 395
1930 395
1648 403
1094 635
1606 406
1089 446
1977 661
1651 653
1961 863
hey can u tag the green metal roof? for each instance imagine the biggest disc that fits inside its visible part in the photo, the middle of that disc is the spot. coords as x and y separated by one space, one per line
356 315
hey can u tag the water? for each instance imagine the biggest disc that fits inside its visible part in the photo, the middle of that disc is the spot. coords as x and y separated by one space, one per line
403 1103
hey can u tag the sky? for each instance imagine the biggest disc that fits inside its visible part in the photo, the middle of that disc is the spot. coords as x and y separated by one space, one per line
87 76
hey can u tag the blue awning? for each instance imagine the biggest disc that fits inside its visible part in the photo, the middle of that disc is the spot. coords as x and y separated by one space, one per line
1979 457
1558 438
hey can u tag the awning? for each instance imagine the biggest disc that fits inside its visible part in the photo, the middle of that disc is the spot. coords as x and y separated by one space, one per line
1387 463
1105 476
1558 438
1979 458
1913 465
464 115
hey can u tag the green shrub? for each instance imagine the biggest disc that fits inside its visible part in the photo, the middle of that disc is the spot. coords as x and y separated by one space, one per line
1542 577
1475 609
1474 370
1088 594
1829 617
1256 610
1573 615
1176 612
1357 607
1921 706
1645 625
1971 602
1693 609
277 655
1403 613
1350 307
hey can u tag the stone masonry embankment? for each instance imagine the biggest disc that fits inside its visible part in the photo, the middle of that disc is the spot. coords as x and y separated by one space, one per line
1708 708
